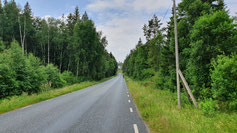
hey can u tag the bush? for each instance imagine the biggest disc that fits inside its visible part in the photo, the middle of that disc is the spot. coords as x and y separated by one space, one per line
2 45
17 62
147 73
37 75
69 78
209 107
7 80
13 68
232 105
54 78
211 35
224 78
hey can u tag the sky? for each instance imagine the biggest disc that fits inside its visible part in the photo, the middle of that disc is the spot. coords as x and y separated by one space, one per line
121 21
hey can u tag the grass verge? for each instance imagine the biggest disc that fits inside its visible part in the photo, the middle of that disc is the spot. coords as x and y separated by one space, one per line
159 109
16 102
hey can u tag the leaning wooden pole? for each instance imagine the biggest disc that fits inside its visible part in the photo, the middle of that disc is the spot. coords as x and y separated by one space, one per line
177 55
188 89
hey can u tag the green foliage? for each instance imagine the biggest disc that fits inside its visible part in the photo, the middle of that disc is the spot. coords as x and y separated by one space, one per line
74 46
147 73
205 31
17 62
9 22
20 73
54 78
154 50
209 107
37 75
212 35
17 73
8 81
2 45
70 78
144 60
159 110
88 51
224 78
136 64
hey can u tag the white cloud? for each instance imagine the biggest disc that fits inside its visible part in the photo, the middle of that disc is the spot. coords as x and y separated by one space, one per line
123 34
122 20
232 6
150 5
123 25
100 5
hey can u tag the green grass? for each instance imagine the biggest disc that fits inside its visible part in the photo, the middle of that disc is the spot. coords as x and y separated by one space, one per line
159 110
16 102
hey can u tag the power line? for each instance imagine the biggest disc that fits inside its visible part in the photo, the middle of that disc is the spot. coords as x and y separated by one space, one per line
166 11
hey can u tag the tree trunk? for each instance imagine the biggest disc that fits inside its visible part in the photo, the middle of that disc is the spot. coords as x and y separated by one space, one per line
61 59
42 52
22 45
69 62
54 58
44 55
77 67
24 36
48 46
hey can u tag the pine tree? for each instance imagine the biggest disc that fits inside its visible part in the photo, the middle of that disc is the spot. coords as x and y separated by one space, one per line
151 30
5 2
26 27
76 15
85 17
139 43
70 24
10 23
1 7
1 19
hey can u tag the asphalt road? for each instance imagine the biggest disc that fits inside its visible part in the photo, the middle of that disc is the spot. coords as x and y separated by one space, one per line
104 108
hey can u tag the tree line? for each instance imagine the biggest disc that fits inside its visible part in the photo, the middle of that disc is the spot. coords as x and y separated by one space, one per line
207 50
36 52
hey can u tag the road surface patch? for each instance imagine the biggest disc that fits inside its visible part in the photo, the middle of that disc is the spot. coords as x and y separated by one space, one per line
26 107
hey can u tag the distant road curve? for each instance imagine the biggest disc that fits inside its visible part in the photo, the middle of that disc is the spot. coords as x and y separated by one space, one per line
103 108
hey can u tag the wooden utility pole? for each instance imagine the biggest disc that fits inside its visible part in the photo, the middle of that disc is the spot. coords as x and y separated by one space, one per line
177 56
187 88
178 71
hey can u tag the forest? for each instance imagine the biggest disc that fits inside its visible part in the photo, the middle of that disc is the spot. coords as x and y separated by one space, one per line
207 37
38 53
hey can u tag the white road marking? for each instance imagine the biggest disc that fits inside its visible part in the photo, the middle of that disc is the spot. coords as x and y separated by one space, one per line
26 107
135 128
131 110
129 101
128 95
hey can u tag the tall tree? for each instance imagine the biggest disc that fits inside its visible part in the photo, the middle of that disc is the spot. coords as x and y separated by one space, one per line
10 24
85 17
212 35
1 8
151 30
5 2
76 15
29 28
